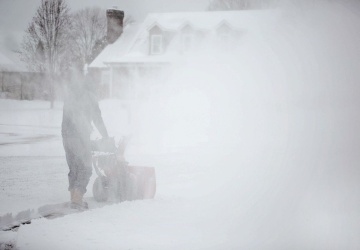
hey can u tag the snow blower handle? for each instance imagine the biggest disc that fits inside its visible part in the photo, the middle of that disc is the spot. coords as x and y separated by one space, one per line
121 145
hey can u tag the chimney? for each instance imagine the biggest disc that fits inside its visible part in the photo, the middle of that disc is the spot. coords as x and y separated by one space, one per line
115 19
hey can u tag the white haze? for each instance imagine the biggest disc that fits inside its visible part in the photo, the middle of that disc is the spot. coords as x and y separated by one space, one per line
271 128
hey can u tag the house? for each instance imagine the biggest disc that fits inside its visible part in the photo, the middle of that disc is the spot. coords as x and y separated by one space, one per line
16 82
131 64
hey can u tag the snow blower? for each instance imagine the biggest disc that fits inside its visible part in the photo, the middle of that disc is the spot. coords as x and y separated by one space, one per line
116 179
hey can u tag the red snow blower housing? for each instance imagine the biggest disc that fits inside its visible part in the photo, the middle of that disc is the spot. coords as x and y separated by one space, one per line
117 180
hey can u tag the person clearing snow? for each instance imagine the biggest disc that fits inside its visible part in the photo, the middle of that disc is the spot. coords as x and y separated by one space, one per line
81 108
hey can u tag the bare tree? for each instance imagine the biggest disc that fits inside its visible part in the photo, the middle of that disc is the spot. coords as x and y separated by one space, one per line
89 34
44 46
88 27
237 4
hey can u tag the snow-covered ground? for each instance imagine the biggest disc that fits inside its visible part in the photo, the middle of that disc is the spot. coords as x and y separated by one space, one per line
259 153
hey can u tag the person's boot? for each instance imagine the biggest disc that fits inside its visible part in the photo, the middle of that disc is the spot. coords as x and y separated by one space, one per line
77 201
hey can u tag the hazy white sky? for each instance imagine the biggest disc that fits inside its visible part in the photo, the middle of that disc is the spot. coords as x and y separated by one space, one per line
16 14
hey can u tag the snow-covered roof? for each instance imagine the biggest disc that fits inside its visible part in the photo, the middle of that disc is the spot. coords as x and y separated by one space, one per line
9 59
140 58
207 20
118 48
7 64
4 60
132 46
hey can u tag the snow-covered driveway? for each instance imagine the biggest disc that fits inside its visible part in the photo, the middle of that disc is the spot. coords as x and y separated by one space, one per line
30 128
296 195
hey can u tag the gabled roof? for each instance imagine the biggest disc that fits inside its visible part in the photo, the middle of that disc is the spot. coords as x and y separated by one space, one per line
9 65
224 23
118 49
132 46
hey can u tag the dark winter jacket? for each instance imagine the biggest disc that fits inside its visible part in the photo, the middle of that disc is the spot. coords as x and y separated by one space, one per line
81 108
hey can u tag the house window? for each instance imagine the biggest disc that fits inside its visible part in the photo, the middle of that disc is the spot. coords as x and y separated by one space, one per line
225 37
225 40
187 38
105 78
156 44
187 42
